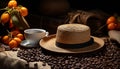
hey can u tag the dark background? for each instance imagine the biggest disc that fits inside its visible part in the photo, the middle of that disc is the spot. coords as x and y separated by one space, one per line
36 19
109 6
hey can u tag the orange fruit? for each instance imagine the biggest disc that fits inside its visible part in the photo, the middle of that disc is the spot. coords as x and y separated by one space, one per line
23 11
20 36
12 3
111 26
18 40
11 24
5 39
111 19
5 17
13 44
15 32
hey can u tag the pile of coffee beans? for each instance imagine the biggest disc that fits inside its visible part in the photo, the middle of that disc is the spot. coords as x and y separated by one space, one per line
106 58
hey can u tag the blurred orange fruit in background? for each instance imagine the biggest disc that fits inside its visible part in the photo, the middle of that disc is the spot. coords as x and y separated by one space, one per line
5 17
6 39
111 19
18 40
13 44
23 11
15 32
12 3
11 24
20 36
111 26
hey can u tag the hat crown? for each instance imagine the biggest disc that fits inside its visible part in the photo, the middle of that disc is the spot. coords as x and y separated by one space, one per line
73 34
73 27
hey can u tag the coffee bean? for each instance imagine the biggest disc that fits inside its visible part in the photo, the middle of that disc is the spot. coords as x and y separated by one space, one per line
108 58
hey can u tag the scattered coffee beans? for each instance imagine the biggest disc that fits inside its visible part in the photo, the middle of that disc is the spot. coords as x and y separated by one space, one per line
107 58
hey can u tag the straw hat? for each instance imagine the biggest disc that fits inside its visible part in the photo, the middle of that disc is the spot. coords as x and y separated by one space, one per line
72 38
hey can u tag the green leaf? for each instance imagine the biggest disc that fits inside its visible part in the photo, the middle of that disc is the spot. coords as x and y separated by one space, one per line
18 20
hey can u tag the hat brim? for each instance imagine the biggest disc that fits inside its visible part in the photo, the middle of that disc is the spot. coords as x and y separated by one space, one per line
48 43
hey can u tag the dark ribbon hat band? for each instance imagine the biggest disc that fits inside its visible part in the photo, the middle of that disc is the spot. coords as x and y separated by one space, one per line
71 46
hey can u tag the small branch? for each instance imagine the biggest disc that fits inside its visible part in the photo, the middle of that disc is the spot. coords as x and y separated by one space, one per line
100 28
4 9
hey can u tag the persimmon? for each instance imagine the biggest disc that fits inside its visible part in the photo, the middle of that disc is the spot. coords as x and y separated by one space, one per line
13 44
111 26
12 3
5 17
111 19
23 11
20 36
